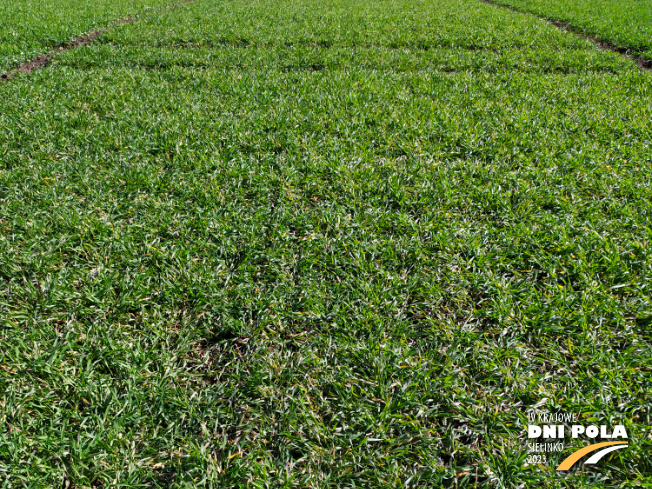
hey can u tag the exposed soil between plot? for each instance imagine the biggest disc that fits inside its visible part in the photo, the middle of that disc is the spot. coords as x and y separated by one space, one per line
43 59
643 63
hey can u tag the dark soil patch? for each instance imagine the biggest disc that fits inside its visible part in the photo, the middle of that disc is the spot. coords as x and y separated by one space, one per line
643 63
43 59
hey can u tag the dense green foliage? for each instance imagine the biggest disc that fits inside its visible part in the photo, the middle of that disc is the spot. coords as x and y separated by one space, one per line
625 23
29 27
352 244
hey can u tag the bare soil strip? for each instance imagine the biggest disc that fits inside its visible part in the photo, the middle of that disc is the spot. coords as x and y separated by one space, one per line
643 63
43 59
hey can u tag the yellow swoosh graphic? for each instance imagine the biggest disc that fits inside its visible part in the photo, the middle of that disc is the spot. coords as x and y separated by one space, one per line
575 456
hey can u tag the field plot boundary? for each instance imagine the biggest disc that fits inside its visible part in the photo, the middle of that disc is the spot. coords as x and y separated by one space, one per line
44 59
603 44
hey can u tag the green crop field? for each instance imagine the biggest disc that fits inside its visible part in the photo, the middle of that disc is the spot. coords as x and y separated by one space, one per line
626 24
335 244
